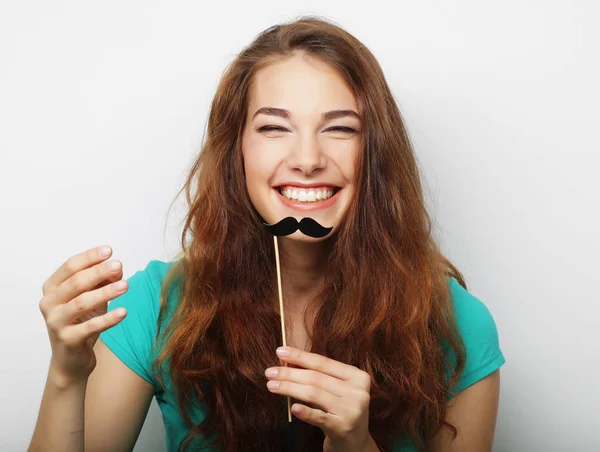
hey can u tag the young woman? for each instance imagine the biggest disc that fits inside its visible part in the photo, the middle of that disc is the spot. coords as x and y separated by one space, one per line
387 349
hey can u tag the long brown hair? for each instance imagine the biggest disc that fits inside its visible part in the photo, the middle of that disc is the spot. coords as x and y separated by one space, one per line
385 305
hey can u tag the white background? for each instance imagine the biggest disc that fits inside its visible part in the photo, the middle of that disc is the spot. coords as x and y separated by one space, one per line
103 106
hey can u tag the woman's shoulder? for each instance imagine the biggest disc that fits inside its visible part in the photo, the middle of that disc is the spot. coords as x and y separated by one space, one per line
154 274
479 333
472 314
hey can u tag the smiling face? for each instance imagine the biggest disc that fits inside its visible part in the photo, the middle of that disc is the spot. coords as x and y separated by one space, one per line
300 142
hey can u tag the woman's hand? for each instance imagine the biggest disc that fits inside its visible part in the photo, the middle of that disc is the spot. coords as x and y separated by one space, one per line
74 306
340 391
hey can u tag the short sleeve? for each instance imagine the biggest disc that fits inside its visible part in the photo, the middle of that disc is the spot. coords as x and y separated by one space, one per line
480 336
132 339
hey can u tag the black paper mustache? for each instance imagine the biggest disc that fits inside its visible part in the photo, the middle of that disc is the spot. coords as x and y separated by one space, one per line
289 225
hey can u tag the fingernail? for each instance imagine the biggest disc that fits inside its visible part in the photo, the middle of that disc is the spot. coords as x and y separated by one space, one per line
272 384
271 372
283 351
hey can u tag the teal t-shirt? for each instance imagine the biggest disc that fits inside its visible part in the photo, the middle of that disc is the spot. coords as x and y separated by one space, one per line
132 339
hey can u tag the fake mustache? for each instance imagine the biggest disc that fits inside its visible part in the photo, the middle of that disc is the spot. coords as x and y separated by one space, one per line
289 225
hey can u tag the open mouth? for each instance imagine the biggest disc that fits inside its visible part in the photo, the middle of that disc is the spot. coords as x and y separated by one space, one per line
333 189
308 199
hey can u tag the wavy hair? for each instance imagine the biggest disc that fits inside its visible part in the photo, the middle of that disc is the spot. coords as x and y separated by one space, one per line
385 304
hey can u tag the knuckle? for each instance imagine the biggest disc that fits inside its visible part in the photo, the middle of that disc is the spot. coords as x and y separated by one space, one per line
42 307
365 379
52 324
70 265
107 291
47 289
322 417
101 270
314 378
90 325
78 304
77 282
364 398
313 394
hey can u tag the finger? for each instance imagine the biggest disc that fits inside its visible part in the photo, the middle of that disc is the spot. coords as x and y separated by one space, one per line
111 279
83 281
75 335
306 393
108 281
318 362
326 382
88 301
312 416
73 265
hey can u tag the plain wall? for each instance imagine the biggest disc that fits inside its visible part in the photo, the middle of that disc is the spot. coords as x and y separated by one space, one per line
103 106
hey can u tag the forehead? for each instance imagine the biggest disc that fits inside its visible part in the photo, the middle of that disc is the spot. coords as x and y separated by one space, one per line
302 84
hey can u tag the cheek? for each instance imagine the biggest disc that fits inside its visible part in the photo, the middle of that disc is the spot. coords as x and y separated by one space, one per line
346 163
253 183
250 154
258 169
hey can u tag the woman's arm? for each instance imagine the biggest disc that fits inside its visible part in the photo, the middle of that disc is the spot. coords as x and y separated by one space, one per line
103 413
60 421
473 412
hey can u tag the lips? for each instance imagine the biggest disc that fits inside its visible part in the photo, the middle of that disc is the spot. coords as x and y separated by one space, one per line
304 185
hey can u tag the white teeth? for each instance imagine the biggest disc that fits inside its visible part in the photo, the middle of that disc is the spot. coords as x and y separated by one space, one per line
310 195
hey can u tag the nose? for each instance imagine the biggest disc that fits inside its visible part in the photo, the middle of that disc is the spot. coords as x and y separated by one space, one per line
307 156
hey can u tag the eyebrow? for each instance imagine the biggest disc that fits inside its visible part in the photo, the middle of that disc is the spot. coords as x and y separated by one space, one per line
333 114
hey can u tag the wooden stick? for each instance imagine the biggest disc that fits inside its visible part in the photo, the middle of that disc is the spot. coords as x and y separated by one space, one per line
281 314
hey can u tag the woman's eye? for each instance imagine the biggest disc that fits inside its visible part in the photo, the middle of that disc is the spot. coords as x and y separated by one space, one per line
341 129
268 128
344 129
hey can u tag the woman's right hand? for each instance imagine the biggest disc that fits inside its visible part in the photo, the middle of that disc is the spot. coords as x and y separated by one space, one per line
74 306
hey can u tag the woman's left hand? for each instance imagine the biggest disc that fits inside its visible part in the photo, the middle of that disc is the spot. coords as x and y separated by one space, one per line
340 391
